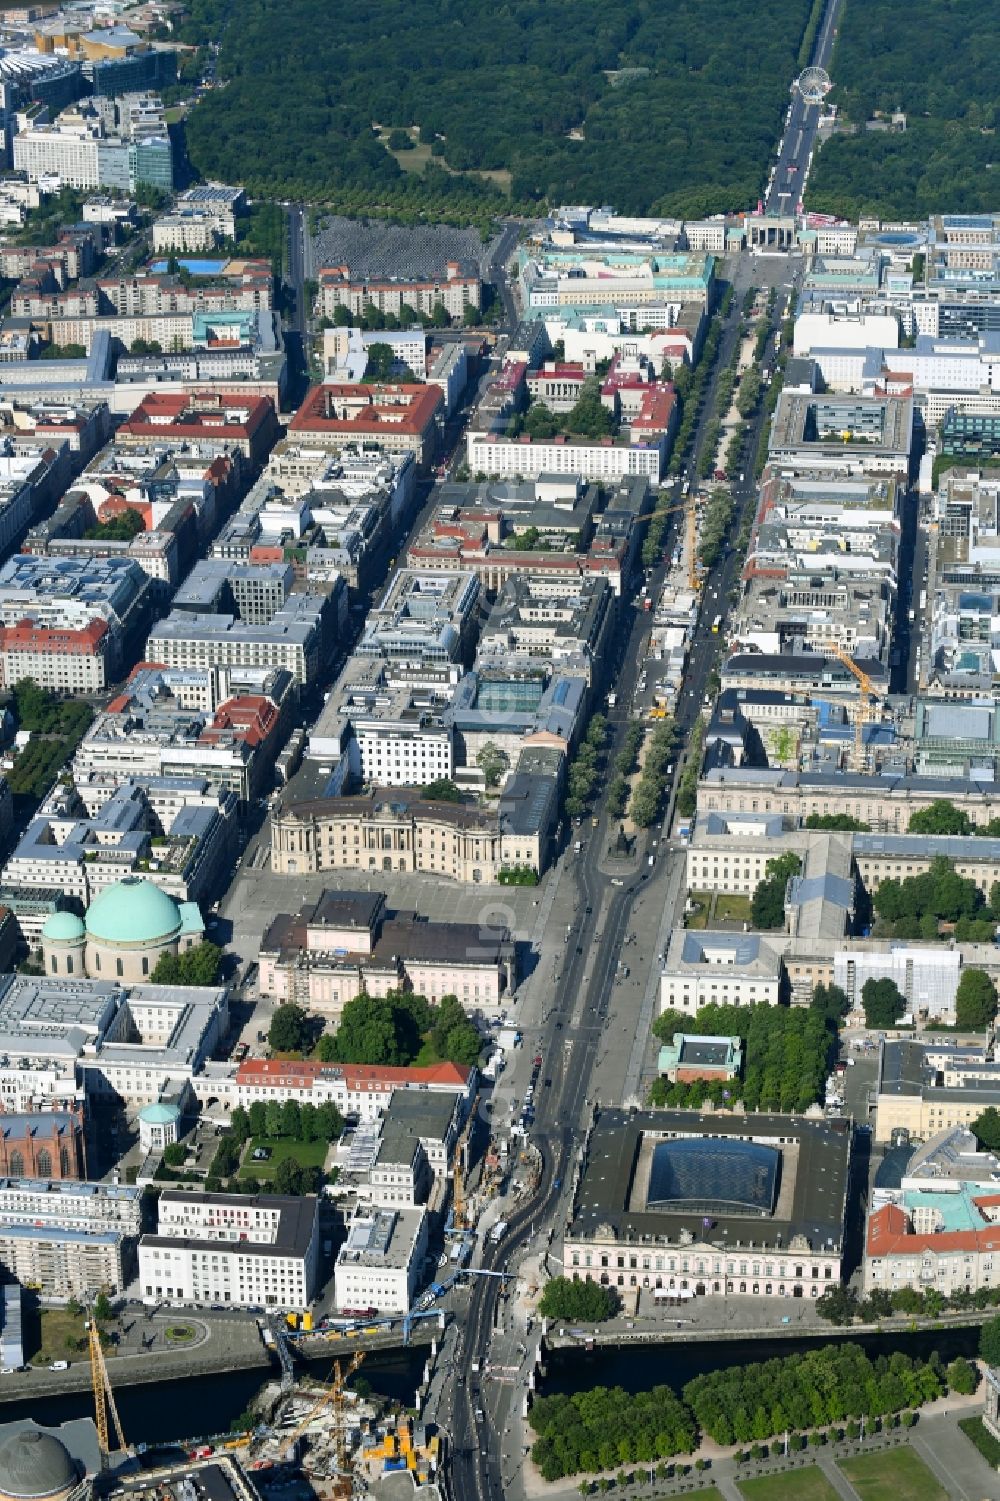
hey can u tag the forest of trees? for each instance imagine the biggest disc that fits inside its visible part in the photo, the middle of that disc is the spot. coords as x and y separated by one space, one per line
788 1053
673 115
826 1385
830 1385
946 159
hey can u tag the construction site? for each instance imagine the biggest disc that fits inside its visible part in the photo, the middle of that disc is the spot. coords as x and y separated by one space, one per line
329 1440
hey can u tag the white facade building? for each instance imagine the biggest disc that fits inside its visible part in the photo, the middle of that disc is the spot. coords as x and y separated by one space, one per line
507 458
724 969
239 1249
379 1264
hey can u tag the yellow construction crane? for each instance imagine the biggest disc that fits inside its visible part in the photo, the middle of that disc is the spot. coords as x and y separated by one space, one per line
865 711
343 1485
458 1170
104 1399
333 1396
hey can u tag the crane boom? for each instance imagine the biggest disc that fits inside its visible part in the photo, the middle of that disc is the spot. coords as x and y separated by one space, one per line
104 1398
863 713
333 1396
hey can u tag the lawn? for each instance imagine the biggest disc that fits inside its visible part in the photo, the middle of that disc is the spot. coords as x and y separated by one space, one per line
984 1442
306 1153
799 1485
699 919
47 1330
895 1475
732 906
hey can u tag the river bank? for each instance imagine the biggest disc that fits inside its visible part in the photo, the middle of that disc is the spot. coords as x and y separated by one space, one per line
182 1409
569 1366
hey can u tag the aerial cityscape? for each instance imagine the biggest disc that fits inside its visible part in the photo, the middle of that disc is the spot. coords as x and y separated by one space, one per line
499 751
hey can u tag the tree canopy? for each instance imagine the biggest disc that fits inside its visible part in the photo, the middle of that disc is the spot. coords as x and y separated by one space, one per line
598 1429
883 1002
289 1030
986 1129
788 1052
605 1427
939 817
942 161
917 906
578 102
975 1000
989 1342
195 966
767 907
581 1301
825 1385
841 823
443 790
395 1028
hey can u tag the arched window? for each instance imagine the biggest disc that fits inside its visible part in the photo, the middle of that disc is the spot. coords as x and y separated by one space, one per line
44 1163
64 1163
17 1164
69 964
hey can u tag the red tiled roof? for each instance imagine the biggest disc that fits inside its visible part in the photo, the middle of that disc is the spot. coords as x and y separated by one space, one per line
205 414
402 408
358 1077
889 1233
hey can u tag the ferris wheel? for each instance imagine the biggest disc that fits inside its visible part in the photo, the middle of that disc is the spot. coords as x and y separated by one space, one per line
813 84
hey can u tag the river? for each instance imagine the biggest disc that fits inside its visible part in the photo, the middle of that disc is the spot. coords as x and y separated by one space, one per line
184 1410
205 1405
638 1368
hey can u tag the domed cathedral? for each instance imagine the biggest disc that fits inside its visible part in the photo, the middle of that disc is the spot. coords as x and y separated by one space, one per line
48 1464
126 929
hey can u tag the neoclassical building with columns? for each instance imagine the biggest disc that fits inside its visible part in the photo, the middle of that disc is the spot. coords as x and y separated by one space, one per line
395 829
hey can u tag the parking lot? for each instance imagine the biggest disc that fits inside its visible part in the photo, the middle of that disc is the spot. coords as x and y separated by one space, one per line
378 250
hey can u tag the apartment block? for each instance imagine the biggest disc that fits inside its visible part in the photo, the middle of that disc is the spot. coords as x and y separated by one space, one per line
237 1249
70 624
454 292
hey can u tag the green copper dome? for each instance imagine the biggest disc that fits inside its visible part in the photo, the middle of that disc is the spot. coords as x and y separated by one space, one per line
133 911
159 1114
64 927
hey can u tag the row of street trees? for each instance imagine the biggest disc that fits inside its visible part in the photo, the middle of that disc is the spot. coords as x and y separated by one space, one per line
584 769
616 799
647 799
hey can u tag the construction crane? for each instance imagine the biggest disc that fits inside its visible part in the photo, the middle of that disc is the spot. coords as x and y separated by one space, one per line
104 1399
865 711
458 1170
333 1396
